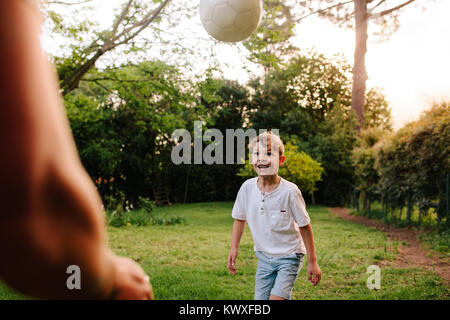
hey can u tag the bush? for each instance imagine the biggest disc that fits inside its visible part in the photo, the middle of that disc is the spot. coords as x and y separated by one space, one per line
117 218
139 218
301 169
168 220
146 204
407 168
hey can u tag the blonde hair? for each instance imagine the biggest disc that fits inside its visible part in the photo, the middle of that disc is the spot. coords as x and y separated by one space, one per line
268 138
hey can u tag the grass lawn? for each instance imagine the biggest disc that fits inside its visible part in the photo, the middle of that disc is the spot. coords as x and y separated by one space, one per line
433 238
188 261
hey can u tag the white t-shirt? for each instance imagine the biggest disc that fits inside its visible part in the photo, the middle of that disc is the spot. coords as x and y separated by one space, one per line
273 217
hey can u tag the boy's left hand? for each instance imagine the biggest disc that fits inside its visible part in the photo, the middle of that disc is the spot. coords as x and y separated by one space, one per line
314 273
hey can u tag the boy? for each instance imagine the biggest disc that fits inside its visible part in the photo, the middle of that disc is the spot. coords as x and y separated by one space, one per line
279 223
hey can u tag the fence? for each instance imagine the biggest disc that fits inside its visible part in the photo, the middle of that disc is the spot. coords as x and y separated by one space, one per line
405 207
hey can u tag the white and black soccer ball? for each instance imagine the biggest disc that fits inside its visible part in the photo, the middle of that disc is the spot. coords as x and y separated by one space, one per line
230 20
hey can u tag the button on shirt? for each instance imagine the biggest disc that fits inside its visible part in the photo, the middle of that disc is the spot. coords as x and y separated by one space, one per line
273 217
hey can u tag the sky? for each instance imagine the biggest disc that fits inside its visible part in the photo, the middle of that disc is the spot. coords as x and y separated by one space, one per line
412 66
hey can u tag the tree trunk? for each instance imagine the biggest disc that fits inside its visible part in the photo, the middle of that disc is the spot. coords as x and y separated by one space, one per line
365 201
408 212
359 65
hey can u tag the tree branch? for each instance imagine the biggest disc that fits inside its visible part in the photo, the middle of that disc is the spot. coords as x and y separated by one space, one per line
71 81
385 12
67 3
144 23
340 4
121 17
113 79
377 5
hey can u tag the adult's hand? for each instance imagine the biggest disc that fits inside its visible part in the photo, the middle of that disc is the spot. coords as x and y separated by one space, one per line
131 281
51 214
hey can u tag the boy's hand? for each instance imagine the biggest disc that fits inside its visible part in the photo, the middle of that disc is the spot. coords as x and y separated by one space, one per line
232 260
314 273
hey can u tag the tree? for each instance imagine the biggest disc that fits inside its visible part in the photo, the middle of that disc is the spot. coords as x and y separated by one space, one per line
296 98
269 44
270 47
122 121
377 113
224 106
363 158
357 14
88 45
415 160
331 143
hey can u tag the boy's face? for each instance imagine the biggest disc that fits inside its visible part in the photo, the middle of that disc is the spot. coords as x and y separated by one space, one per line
266 160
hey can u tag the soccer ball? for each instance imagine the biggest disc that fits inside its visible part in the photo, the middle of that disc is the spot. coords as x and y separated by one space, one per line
230 20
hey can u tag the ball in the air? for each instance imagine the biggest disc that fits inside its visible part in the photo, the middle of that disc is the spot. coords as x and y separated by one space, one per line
230 20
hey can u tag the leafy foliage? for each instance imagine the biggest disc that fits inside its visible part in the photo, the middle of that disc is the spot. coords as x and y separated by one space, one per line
123 118
140 218
331 144
297 98
301 169
363 158
122 121
408 166
377 113
269 45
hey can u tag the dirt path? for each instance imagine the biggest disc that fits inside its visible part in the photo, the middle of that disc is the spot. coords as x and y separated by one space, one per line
411 254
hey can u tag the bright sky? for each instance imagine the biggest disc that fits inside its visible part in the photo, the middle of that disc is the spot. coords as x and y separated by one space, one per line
412 67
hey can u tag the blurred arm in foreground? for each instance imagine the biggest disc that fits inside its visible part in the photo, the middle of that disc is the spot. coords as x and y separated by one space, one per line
50 214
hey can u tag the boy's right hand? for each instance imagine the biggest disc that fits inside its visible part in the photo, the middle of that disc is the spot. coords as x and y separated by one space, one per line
232 260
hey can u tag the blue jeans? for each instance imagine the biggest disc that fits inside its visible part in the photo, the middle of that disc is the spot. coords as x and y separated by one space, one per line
276 275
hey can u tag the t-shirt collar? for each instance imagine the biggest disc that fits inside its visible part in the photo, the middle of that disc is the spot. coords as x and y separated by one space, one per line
271 192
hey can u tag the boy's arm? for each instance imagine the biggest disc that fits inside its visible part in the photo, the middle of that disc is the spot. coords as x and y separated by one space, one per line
314 272
238 229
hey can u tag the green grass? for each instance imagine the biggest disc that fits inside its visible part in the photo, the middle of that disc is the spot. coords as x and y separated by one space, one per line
8 294
188 261
438 241
436 236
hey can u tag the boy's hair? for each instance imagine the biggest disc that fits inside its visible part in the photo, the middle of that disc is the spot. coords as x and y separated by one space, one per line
265 138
